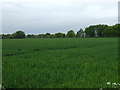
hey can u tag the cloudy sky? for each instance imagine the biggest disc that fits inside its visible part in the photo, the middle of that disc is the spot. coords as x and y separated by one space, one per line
41 16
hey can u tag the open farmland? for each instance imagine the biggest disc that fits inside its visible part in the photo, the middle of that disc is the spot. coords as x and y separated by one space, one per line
60 63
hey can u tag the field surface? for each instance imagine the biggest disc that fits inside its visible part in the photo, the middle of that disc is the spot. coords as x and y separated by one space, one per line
59 63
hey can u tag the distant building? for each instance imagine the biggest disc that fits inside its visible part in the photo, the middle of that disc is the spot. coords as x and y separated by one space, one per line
83 34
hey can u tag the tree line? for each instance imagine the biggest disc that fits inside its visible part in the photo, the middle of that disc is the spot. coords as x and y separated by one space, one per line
99 30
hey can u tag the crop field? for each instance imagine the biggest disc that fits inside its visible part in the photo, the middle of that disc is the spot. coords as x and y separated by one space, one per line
59 62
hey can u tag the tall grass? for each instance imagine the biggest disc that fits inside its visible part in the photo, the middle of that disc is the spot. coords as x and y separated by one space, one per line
60 63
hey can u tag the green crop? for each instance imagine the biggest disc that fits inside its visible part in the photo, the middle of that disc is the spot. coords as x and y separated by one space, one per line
59 62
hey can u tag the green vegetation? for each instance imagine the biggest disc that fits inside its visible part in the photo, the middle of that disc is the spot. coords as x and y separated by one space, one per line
79 33
19 34
100 30
70 34
60 63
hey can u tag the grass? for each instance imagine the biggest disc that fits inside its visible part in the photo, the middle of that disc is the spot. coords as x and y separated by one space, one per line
60 63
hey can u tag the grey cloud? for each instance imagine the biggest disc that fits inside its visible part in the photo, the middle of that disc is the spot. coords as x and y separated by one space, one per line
33 17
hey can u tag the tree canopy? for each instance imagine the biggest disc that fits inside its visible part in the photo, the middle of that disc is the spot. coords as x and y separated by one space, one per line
101 30
19 34
79 33
70 33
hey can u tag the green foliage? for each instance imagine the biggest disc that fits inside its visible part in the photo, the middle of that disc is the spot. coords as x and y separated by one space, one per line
31 36
59 35
79 33
19 34
70 34
112 31
90 31
64 35
40 35
101 29
52 36
59 63
47 35
7 36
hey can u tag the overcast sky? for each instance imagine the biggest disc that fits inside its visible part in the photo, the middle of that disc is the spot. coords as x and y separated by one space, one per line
41 16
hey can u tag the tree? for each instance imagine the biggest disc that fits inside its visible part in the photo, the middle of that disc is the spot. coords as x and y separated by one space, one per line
19 34
100 28
70 33
116 30
6 36
90 31
30 36
58 35
79 33
112 31
64 35
107 33
52 36
47 35
40 36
